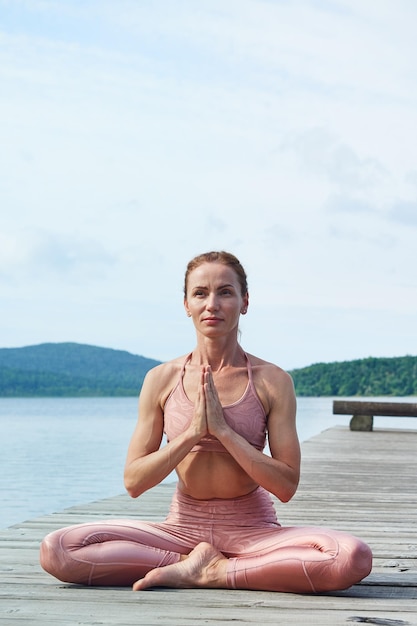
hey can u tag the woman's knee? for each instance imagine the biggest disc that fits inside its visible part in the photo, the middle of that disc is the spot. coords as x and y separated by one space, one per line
56 560
345 563
352 563
361 558
50 556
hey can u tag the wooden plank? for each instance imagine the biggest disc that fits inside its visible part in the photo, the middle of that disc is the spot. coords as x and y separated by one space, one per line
359 483
359 407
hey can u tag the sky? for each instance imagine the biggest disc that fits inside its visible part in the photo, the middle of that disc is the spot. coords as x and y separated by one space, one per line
137 134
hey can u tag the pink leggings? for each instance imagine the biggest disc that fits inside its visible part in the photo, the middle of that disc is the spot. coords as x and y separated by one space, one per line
262 555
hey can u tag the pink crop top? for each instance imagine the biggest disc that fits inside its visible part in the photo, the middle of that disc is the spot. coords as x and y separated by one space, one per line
246 416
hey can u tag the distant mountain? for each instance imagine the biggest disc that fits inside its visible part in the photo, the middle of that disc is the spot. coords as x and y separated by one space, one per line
78 370
396 376
71 369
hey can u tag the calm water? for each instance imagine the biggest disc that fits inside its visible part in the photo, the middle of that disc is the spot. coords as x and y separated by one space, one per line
56 453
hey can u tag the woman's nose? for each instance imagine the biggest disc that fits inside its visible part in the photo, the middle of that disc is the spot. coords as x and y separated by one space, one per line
212 302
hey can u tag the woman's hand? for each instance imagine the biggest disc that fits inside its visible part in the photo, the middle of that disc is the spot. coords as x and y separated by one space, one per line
208 411
213 408
199 422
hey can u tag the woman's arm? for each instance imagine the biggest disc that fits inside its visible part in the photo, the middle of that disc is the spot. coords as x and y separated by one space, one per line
147 464
280 473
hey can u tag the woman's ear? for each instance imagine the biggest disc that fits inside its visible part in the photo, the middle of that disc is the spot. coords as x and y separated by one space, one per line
245 305
186 308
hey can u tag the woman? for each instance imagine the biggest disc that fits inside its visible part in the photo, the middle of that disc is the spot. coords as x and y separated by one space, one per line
216 406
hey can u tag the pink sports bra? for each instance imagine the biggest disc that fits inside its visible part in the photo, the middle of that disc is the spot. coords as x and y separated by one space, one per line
246 416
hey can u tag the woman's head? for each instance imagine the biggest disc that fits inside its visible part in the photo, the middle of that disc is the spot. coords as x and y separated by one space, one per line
226 258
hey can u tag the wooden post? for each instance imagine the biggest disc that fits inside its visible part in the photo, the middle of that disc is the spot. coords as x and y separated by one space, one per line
362 422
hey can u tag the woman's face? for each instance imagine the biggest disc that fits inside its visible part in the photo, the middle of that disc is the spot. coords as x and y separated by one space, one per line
214 299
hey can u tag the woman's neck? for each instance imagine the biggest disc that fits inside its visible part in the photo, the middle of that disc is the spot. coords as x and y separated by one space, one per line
218 356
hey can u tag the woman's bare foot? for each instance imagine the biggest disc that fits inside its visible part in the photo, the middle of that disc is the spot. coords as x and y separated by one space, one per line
203 567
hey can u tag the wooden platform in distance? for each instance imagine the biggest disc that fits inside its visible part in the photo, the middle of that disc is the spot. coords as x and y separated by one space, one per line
364 483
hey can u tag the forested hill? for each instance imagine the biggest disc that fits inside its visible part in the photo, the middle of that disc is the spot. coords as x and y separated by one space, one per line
395 376
72 370
78 370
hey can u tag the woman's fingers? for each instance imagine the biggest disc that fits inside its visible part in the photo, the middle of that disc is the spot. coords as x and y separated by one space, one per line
200 416
214 410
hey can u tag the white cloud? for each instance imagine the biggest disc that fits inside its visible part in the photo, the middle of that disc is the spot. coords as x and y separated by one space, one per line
38 256
405 212
139 134
321 154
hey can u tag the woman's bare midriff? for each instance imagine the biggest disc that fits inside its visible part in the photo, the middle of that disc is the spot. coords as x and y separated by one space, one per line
206 475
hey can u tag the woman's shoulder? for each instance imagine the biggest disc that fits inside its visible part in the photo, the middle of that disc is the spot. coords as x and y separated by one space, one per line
266 367
161 379
273 384
165 371
266 373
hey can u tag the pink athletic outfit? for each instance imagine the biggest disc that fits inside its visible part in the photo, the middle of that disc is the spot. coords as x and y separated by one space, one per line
262 554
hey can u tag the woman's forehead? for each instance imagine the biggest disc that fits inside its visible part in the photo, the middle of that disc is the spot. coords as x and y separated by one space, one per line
213 272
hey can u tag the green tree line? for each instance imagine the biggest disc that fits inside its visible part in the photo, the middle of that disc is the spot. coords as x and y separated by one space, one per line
396 376
78 370
71 370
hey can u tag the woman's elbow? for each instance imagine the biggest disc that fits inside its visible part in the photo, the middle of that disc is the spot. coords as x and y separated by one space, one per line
286 495
131 486
286 492
133 493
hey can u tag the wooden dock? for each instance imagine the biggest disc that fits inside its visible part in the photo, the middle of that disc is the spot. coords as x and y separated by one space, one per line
361 482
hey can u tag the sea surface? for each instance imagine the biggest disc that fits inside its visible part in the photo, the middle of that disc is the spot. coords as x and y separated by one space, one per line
60 452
